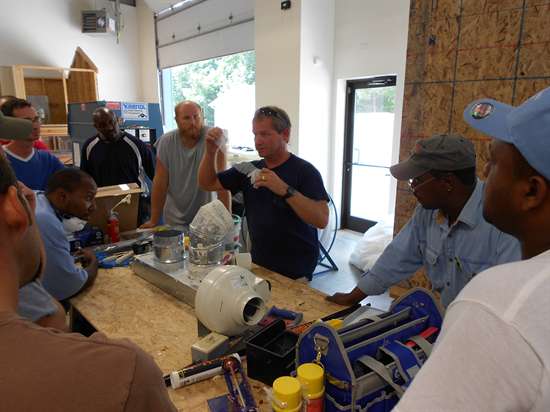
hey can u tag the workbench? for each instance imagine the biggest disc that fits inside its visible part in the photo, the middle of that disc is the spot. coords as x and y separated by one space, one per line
120 304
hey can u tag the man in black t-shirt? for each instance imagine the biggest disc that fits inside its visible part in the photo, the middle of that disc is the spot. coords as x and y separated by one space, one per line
114 157
284 197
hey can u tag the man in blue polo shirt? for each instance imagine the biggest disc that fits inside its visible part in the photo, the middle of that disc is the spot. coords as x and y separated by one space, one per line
447 233
284 197
32 167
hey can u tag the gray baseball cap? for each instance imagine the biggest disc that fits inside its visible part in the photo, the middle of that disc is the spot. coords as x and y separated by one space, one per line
12 128
446 152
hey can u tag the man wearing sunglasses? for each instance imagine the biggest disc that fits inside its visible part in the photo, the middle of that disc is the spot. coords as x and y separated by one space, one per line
447 233
284 196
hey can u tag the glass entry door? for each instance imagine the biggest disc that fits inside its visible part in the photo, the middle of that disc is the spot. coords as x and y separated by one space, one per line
368 152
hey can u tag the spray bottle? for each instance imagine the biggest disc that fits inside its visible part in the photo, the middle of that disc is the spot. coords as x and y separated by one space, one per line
113 227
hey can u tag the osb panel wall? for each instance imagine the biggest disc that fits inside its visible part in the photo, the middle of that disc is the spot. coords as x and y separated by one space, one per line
82 86
461 50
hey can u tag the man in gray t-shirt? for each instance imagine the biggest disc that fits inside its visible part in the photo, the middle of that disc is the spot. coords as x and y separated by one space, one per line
179 152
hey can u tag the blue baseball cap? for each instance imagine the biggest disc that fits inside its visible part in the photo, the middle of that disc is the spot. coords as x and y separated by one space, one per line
527 126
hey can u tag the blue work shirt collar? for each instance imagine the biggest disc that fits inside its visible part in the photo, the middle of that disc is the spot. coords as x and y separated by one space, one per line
49 205
469 215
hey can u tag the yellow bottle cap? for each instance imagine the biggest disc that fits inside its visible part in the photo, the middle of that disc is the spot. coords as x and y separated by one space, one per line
311 377
335 323
287 394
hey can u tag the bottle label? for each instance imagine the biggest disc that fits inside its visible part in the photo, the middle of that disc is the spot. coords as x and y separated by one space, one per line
315 405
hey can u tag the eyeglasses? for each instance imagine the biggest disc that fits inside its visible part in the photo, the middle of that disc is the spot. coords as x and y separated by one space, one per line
416 183
266 111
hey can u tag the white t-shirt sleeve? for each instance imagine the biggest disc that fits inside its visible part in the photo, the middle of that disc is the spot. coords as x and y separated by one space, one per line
479 363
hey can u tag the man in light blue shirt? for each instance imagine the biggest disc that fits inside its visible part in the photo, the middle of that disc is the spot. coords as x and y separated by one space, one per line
70 192
37 305
447 233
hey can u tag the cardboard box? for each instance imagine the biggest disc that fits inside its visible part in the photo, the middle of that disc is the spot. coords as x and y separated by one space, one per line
108 196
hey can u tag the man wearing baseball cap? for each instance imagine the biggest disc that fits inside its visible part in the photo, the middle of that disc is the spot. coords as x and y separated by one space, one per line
34 302
493 353
447 234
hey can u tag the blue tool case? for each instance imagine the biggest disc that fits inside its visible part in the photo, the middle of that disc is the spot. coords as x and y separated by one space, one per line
370 363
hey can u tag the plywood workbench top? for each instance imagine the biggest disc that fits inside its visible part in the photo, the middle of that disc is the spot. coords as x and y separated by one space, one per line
122 305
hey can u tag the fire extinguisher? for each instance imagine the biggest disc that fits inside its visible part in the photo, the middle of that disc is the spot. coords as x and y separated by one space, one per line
113 227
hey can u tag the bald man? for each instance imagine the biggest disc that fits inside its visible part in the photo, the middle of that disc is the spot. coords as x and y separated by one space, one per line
113 157
176 193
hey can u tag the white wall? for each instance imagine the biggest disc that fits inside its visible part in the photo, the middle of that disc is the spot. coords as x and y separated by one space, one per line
277 35
294 70
147 54
370 39
39 32
351 39
316 82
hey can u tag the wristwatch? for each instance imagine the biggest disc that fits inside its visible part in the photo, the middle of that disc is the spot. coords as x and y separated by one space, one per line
290 191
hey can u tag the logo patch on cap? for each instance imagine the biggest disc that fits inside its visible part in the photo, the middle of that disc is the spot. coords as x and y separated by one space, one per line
482 110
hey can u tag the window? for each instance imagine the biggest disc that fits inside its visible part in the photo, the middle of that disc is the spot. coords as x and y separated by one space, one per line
225 89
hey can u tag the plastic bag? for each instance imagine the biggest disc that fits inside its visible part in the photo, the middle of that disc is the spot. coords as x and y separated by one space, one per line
372 244
211 224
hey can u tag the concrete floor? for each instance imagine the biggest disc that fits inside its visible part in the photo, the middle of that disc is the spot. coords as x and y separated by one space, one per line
345 279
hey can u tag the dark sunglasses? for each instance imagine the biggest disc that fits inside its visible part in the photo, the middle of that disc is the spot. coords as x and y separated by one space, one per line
266 111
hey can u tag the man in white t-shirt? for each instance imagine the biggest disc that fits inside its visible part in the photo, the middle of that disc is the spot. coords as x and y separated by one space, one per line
493 353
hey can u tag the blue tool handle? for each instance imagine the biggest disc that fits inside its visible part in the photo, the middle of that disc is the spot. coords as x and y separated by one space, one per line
283 313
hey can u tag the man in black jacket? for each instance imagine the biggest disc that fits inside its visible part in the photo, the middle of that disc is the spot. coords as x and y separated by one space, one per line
113 157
